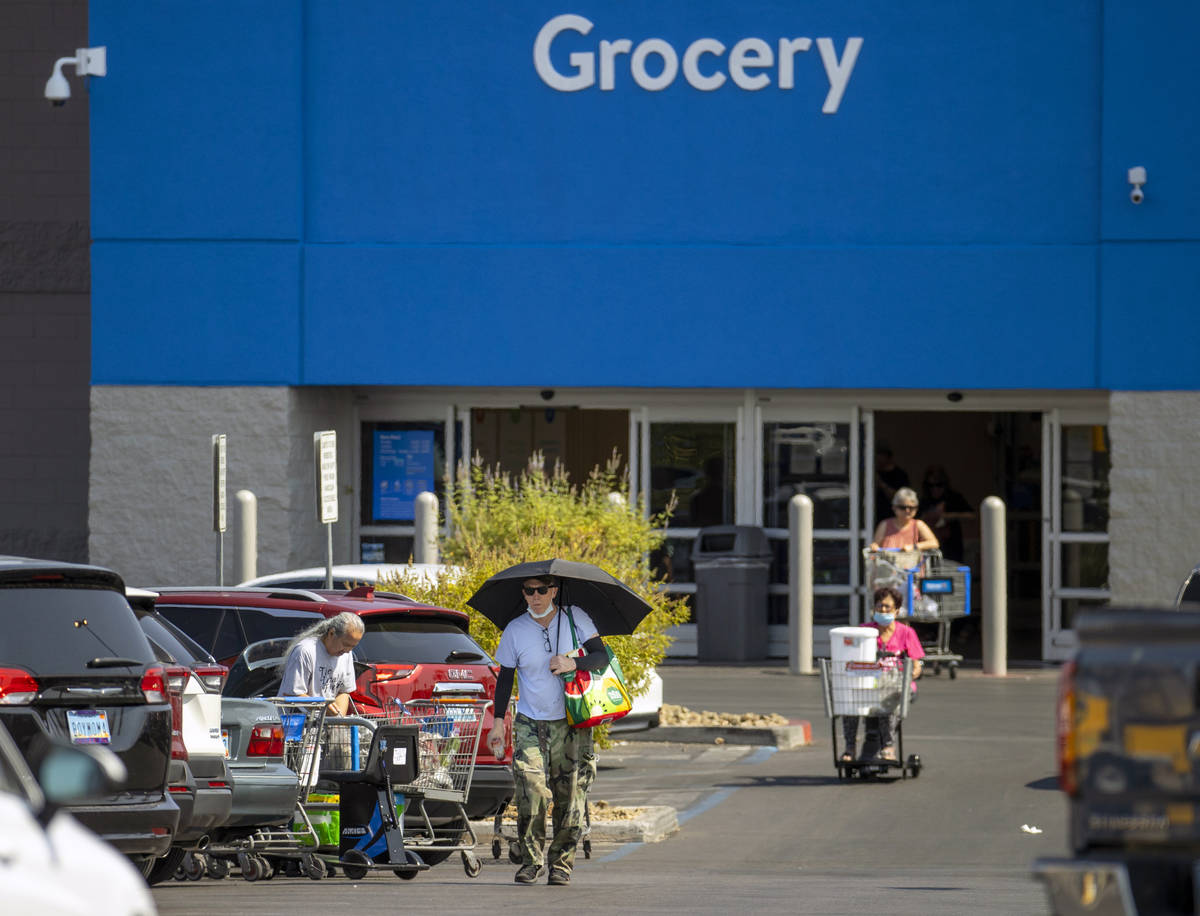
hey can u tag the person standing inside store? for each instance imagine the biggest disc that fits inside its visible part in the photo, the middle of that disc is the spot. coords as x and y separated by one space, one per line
551 760
944 510
889 477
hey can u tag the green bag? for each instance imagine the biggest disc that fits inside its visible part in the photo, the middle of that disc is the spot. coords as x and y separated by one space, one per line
593 697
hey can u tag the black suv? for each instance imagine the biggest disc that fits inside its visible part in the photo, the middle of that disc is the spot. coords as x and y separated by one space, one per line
75 666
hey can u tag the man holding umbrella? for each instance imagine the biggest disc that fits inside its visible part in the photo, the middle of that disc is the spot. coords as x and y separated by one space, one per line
551 760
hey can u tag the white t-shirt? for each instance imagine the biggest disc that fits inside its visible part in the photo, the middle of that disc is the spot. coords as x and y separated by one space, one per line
311 671
523 646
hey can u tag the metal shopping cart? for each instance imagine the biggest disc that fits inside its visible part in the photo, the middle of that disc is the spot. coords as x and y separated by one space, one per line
420 819
855 689
261 852
938 592
889 566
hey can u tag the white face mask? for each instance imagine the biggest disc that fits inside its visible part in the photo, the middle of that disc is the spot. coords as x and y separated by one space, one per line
542 616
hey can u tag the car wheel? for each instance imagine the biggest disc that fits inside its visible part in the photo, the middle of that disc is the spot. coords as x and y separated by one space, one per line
160 870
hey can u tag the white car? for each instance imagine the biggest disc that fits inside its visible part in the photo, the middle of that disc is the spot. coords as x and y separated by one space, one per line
49 864
347 575
646 708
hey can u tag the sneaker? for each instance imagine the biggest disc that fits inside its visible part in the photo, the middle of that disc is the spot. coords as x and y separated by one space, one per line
559 876
528 874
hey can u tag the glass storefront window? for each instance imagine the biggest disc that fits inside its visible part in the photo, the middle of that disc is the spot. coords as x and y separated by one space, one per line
1084 565
809 458
828 610
1085 489
831 562
673 560
695 461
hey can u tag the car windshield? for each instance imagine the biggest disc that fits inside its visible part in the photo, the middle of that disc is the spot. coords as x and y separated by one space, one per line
408 640
51 631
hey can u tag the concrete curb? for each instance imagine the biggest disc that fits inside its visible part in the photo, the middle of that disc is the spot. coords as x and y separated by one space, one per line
784 737
653 825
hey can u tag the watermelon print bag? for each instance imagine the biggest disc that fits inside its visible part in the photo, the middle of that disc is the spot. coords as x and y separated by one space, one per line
593 697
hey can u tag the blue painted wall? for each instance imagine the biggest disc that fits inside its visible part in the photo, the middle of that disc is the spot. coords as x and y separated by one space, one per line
275 182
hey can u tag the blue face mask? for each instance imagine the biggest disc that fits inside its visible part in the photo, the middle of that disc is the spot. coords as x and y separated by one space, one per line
884 620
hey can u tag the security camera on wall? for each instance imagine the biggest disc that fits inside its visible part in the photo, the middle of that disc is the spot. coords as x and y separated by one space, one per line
87 61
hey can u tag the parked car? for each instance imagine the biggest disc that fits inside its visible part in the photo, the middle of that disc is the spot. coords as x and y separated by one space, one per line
408 651
76 667
348 576
198 777
48 862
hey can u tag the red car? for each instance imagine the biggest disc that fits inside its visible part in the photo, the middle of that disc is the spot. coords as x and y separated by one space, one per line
408 651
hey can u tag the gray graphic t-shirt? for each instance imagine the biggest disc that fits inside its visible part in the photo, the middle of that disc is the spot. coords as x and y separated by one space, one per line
310 671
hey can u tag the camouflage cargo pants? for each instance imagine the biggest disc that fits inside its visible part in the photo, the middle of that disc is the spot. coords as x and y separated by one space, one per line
551 762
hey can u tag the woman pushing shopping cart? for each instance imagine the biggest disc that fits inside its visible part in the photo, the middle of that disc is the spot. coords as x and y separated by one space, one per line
871 676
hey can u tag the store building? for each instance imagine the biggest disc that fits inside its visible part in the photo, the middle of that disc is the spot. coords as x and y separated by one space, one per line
744 244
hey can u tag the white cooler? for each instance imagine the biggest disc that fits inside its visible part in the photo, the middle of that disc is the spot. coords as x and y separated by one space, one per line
852 690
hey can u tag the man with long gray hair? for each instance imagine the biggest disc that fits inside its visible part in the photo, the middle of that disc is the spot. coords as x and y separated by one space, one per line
320 664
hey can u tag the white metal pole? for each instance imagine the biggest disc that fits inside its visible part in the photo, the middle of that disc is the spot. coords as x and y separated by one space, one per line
329 555
246 534
425 519
800 584
995 587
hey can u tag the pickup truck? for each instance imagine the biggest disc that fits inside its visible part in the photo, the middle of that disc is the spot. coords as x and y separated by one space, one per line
1129 762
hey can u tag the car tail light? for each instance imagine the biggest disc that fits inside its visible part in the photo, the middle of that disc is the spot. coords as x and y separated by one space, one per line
17 687
218 784
1065 728
211 676
179 789
176 679
386 674
154 684
265 741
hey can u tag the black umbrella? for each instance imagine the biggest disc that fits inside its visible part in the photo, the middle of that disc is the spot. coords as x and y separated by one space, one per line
612 605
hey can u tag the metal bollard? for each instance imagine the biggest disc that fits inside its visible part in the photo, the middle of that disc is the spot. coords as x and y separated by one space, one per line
245 557
425 545
800 584
995 587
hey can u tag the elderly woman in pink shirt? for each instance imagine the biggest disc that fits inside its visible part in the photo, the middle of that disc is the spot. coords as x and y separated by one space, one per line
898 639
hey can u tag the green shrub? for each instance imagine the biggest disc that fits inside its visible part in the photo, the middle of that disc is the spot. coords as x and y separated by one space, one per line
498 521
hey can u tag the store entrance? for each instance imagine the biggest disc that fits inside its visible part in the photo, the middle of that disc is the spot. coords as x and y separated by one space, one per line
581 439
975 454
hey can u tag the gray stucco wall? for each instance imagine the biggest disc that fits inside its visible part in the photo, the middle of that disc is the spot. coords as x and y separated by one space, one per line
150 506
1155 503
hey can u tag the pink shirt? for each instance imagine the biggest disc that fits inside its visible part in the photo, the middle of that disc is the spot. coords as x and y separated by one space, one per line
904 641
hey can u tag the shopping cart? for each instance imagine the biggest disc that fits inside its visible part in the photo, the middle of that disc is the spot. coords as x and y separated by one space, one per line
868 688
889 566
427 805
262 852
938 592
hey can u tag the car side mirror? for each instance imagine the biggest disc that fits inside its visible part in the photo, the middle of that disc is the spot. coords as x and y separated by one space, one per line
73 773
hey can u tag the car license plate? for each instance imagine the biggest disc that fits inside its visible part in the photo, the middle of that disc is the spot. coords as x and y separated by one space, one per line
88 726
225 741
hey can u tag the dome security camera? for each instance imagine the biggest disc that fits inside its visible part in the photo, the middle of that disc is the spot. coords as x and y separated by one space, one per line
1137 178
58 90
87 61
547 394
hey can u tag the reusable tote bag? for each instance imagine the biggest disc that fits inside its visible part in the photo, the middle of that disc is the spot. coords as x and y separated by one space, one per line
593 697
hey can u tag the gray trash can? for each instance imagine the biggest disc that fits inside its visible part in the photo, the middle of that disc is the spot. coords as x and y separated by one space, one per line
732 564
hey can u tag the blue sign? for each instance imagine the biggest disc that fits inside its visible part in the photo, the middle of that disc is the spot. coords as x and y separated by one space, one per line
402 467
758 193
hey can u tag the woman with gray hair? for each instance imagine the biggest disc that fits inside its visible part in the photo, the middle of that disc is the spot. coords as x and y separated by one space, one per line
319 662
905 531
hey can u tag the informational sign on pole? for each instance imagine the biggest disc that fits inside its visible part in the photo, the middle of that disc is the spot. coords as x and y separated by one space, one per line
325 460
325 453
219 506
